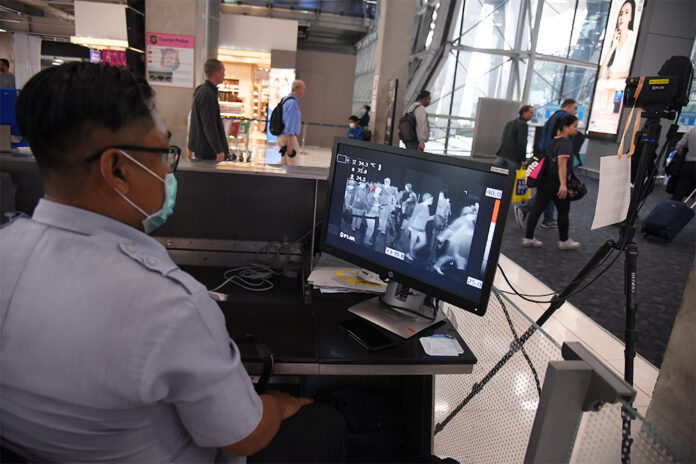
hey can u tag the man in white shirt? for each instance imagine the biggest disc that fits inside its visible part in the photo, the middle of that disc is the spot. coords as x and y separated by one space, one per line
422 126
109 351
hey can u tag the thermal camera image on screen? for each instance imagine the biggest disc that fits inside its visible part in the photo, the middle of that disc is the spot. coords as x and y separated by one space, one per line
434 223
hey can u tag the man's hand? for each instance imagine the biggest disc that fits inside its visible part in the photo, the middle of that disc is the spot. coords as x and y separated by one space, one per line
289 404
421 146
220 156
562 192
277 406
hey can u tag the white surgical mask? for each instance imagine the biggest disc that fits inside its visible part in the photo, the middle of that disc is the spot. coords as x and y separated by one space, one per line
352 125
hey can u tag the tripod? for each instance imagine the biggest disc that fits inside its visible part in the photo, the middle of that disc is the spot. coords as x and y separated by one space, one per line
647 168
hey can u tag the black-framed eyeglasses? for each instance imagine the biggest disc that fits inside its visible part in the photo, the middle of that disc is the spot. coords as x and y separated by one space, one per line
170 155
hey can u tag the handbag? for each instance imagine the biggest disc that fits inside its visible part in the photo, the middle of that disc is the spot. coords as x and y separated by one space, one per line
536 171
576 189
521 192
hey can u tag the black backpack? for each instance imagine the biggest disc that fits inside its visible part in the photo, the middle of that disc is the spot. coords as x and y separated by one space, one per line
407 127
276 124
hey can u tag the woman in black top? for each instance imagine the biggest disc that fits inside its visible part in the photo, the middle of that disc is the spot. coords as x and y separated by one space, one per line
553 185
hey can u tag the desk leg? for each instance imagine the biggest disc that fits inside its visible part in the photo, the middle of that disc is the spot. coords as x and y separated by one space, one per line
314 225
419 398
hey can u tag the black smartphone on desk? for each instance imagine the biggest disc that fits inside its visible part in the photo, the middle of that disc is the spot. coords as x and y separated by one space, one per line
367 334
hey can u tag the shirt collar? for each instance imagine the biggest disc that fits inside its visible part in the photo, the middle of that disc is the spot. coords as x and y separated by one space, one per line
211 85
86 222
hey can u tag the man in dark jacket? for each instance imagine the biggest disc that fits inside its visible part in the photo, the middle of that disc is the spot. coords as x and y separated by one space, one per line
207 137
512 153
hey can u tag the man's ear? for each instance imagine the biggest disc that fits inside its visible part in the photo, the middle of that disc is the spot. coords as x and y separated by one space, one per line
115 171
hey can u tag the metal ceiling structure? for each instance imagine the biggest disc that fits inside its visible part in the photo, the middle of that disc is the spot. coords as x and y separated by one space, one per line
325 25
50 19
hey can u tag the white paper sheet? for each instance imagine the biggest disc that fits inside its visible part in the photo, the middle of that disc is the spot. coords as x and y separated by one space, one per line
614 191
439 345
332 275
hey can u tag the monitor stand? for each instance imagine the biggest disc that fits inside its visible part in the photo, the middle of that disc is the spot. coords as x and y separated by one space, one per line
388 316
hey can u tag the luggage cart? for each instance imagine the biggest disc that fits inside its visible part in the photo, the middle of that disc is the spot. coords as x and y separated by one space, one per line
239 129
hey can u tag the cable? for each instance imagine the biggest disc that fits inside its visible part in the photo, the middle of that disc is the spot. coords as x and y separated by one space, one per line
273 255
524 296
254 277
518 293
519 342
598 275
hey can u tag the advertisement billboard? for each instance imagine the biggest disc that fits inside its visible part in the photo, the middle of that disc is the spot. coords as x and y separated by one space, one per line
615 65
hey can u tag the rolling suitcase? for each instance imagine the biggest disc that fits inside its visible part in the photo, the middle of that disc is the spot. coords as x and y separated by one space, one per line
668 218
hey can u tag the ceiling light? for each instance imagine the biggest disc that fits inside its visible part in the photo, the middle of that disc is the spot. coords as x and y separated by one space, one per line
96 42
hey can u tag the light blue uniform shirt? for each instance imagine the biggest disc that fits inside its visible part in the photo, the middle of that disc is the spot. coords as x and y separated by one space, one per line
109 351
292 118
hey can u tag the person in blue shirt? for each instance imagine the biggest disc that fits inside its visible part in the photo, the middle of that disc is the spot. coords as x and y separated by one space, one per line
355 131
109 351
569 106
292 120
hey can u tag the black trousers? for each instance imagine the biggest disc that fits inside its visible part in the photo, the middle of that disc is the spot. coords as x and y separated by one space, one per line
544 195
686 181
316 433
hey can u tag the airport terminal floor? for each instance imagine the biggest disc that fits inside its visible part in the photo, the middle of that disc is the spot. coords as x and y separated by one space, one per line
663 269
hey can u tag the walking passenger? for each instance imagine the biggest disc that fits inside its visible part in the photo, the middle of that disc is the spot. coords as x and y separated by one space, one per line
553 185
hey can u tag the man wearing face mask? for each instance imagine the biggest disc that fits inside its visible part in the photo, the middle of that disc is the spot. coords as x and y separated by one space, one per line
355 131
109 351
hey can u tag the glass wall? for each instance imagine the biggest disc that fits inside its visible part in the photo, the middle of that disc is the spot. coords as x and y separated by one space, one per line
489 55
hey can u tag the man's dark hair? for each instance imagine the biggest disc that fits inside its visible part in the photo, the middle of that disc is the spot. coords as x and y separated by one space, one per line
59 107
5 62
423 94
568 102
524 109
368 108
353 118
211 66
563 121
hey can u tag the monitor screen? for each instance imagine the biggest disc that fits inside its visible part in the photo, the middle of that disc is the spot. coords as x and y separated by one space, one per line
431 222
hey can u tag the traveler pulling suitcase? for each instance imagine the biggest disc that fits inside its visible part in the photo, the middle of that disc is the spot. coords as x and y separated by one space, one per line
668 218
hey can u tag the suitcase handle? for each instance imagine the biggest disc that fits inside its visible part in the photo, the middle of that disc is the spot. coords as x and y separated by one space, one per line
689 197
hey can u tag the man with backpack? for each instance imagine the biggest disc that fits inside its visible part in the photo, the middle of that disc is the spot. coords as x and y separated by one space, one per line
414 129
291 118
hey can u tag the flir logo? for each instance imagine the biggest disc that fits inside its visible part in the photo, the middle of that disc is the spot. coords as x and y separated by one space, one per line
494 193
346 236
474 282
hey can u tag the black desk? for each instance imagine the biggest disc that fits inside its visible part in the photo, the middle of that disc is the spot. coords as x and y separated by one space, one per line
314 356
301 329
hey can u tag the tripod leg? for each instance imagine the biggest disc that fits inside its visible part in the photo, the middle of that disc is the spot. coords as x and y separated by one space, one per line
630 284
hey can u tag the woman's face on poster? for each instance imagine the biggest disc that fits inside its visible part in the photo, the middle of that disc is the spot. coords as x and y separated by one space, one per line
625 17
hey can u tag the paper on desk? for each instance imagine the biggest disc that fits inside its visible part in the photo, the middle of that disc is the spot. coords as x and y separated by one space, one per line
440 345
332 275
614 191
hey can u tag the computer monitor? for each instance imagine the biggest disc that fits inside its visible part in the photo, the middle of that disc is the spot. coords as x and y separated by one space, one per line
429 224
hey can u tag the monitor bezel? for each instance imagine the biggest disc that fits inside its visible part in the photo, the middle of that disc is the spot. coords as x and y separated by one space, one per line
384 272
